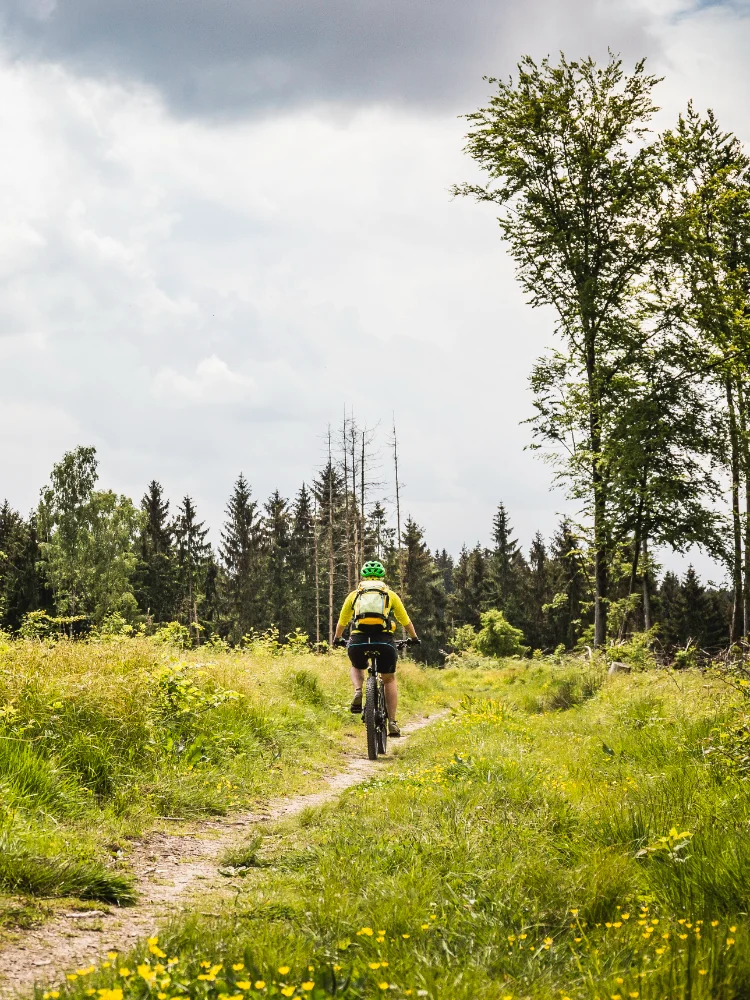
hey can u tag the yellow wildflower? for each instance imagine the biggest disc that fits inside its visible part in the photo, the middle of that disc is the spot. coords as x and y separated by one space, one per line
374 965
71 977
287 991
383 986
260 984
238 966
365 930
701 972
406 936
283 970
730 942
244 985
308 986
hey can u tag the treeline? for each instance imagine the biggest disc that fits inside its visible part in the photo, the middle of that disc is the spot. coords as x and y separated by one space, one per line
641 245
87 556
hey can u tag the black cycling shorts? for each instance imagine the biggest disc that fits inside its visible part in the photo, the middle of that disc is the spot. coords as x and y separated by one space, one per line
384 645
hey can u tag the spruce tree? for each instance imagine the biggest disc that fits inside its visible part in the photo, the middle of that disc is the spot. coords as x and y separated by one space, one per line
155 579
670 610
22 588
538 593
444 563
278 573
241 556
193 557
423 592
379 537
328 490
471 586
571 586
507 571
302 562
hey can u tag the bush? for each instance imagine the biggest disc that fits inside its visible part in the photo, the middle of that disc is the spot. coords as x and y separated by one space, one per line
464 638
497 637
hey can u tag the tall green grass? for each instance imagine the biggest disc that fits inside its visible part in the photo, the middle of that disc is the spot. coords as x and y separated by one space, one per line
100 739
556 837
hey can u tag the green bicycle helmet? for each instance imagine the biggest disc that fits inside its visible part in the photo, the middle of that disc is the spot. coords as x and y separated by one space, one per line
373 570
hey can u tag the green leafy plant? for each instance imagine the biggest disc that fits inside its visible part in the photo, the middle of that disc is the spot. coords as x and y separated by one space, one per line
497 637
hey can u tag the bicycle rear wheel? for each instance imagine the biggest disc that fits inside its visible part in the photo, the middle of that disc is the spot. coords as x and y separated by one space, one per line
382 719
371 718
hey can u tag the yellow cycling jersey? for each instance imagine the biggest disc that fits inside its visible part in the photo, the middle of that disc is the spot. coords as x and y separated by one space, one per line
398 611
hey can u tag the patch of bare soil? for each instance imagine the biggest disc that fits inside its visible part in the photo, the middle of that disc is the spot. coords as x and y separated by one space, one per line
170 870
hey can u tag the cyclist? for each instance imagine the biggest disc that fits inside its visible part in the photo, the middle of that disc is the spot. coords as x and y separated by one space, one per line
373 610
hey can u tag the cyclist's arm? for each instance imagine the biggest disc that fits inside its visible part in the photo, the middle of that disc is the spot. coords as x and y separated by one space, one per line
399 613
345 617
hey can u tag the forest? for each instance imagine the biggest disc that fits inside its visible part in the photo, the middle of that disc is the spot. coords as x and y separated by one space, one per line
87 558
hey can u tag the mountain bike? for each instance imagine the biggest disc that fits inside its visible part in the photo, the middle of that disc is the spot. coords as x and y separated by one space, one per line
375 710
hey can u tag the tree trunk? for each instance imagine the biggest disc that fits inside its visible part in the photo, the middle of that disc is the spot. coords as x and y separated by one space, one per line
736 629
355 508
398 512
362 500
347 521
745 453
330 543
317 576
600 499
646 588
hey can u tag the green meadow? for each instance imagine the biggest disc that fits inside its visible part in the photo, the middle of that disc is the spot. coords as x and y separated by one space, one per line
559 833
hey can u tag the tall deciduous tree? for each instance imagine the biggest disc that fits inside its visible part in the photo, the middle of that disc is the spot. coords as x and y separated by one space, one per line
87 552
579 194
711 240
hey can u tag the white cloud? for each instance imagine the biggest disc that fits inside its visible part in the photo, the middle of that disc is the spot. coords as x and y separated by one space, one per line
202 297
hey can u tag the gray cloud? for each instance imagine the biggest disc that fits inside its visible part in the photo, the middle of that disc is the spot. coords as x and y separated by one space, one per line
231 57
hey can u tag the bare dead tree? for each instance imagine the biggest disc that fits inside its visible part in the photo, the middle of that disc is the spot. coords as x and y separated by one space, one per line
398 508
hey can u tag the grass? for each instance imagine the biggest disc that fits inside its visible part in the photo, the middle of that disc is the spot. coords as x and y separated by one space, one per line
98 740
560 835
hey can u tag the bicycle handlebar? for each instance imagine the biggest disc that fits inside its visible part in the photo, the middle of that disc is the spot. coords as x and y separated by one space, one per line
400 643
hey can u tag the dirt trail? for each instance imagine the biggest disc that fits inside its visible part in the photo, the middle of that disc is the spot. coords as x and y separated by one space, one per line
169 869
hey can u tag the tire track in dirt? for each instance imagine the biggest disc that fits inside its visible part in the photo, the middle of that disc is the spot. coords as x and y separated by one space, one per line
169 869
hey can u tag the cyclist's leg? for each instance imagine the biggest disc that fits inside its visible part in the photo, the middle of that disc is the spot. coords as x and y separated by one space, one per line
390 687
356 672
387 668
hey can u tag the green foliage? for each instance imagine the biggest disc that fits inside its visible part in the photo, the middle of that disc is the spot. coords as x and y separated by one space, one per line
87 555
497 637
40 625
638 651
174 634
464 638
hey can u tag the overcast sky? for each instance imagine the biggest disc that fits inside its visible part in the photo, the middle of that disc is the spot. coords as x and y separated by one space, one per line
223 222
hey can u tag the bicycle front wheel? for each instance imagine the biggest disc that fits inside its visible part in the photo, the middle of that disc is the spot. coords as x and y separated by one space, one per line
371 718
382 719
